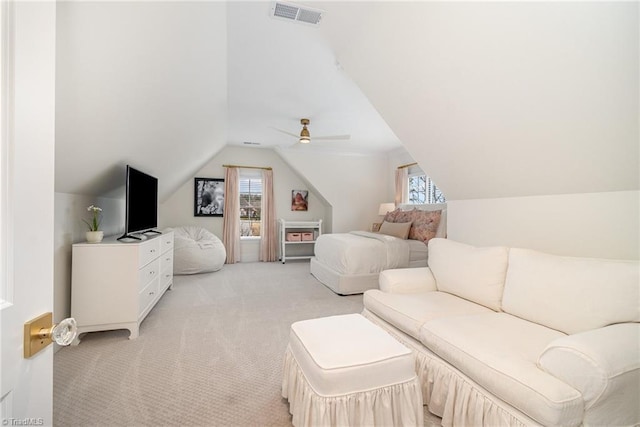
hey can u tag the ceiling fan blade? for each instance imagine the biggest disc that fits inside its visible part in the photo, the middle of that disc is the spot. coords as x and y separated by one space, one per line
335 137
285 132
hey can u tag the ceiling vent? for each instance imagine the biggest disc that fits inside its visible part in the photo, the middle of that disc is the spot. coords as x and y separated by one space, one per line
292 12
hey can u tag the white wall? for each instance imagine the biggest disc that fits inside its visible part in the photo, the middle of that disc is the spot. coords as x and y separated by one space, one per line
600 225
178 208
502 99
70 210
143 83
353 185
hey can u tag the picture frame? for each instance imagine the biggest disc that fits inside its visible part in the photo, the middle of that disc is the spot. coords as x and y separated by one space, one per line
208 198
300 200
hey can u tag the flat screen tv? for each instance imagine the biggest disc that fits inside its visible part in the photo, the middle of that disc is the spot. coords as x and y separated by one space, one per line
141 203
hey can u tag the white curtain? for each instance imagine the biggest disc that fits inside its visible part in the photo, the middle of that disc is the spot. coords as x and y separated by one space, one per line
402 186
231 222
269 241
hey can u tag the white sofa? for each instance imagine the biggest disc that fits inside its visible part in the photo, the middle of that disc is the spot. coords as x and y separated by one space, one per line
506 336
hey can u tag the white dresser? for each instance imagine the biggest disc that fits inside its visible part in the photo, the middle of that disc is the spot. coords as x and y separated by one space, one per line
114 285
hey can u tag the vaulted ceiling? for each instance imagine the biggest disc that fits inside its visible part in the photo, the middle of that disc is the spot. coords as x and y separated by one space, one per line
500 99
494 99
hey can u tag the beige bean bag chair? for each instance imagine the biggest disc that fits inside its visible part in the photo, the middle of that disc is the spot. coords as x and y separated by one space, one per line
196 250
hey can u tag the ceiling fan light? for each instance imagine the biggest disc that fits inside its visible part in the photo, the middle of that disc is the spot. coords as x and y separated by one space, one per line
305 136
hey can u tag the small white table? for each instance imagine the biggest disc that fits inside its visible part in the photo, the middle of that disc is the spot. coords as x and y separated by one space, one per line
344 370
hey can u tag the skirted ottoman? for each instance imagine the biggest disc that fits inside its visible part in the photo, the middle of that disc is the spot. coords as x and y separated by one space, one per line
346 371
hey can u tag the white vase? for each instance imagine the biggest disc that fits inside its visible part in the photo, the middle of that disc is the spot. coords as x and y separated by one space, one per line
95 236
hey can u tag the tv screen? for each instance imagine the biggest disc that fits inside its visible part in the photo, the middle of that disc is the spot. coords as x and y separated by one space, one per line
142 201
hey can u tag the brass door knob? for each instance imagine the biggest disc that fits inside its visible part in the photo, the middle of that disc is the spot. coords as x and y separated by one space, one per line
40 332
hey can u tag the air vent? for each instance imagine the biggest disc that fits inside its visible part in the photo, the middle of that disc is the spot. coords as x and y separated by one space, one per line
292 12
251 143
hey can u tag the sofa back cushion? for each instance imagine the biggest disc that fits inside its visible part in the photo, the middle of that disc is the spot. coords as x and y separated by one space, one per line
475 274
571 295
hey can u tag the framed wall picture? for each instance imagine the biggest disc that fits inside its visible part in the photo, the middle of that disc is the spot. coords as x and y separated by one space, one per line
208 199
299 200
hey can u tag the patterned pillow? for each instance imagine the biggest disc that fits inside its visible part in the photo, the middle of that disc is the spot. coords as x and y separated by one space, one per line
391 216
398 216
425 224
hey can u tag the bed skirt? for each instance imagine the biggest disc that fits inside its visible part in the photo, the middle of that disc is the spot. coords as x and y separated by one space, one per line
450 394
343 284
395 405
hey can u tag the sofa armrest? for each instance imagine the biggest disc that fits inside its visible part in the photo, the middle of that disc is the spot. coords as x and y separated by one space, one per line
604 365
407 280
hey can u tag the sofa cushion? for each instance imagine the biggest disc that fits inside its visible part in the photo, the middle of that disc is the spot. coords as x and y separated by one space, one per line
475 274
407 280
408 312
499 352
571 294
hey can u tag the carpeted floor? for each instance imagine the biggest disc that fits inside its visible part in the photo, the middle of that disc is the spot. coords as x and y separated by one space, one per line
209 354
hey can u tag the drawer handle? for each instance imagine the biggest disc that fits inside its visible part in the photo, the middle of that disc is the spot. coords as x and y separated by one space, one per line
168 243
151 293
168 275
151 273
152 250
168 259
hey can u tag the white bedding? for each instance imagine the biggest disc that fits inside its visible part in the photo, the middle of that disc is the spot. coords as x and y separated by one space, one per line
362 252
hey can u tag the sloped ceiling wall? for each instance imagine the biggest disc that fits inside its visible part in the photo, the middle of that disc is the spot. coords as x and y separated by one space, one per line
501 99
142 83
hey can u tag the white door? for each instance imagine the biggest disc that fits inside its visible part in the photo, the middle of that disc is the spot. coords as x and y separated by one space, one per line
27 197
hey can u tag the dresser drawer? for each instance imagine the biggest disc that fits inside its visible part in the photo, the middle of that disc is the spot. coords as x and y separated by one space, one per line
166 277
148 273
166 260
166 241
147 295
149 251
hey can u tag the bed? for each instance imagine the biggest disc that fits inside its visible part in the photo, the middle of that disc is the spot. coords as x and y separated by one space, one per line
349 263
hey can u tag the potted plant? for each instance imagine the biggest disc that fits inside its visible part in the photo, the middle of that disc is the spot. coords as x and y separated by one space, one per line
94 235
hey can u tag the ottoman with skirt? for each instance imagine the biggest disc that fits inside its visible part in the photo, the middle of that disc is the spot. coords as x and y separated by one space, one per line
346 371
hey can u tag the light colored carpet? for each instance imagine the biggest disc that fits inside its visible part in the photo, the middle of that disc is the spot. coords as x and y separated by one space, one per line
209 354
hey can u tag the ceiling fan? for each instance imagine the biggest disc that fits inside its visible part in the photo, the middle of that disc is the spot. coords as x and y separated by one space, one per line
305 137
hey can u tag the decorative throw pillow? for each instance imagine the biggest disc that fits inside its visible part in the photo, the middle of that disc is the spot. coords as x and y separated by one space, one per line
391 216
398 215
397 229
425 224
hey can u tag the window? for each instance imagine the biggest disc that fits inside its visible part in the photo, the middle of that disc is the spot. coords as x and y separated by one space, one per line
423 190
250 206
